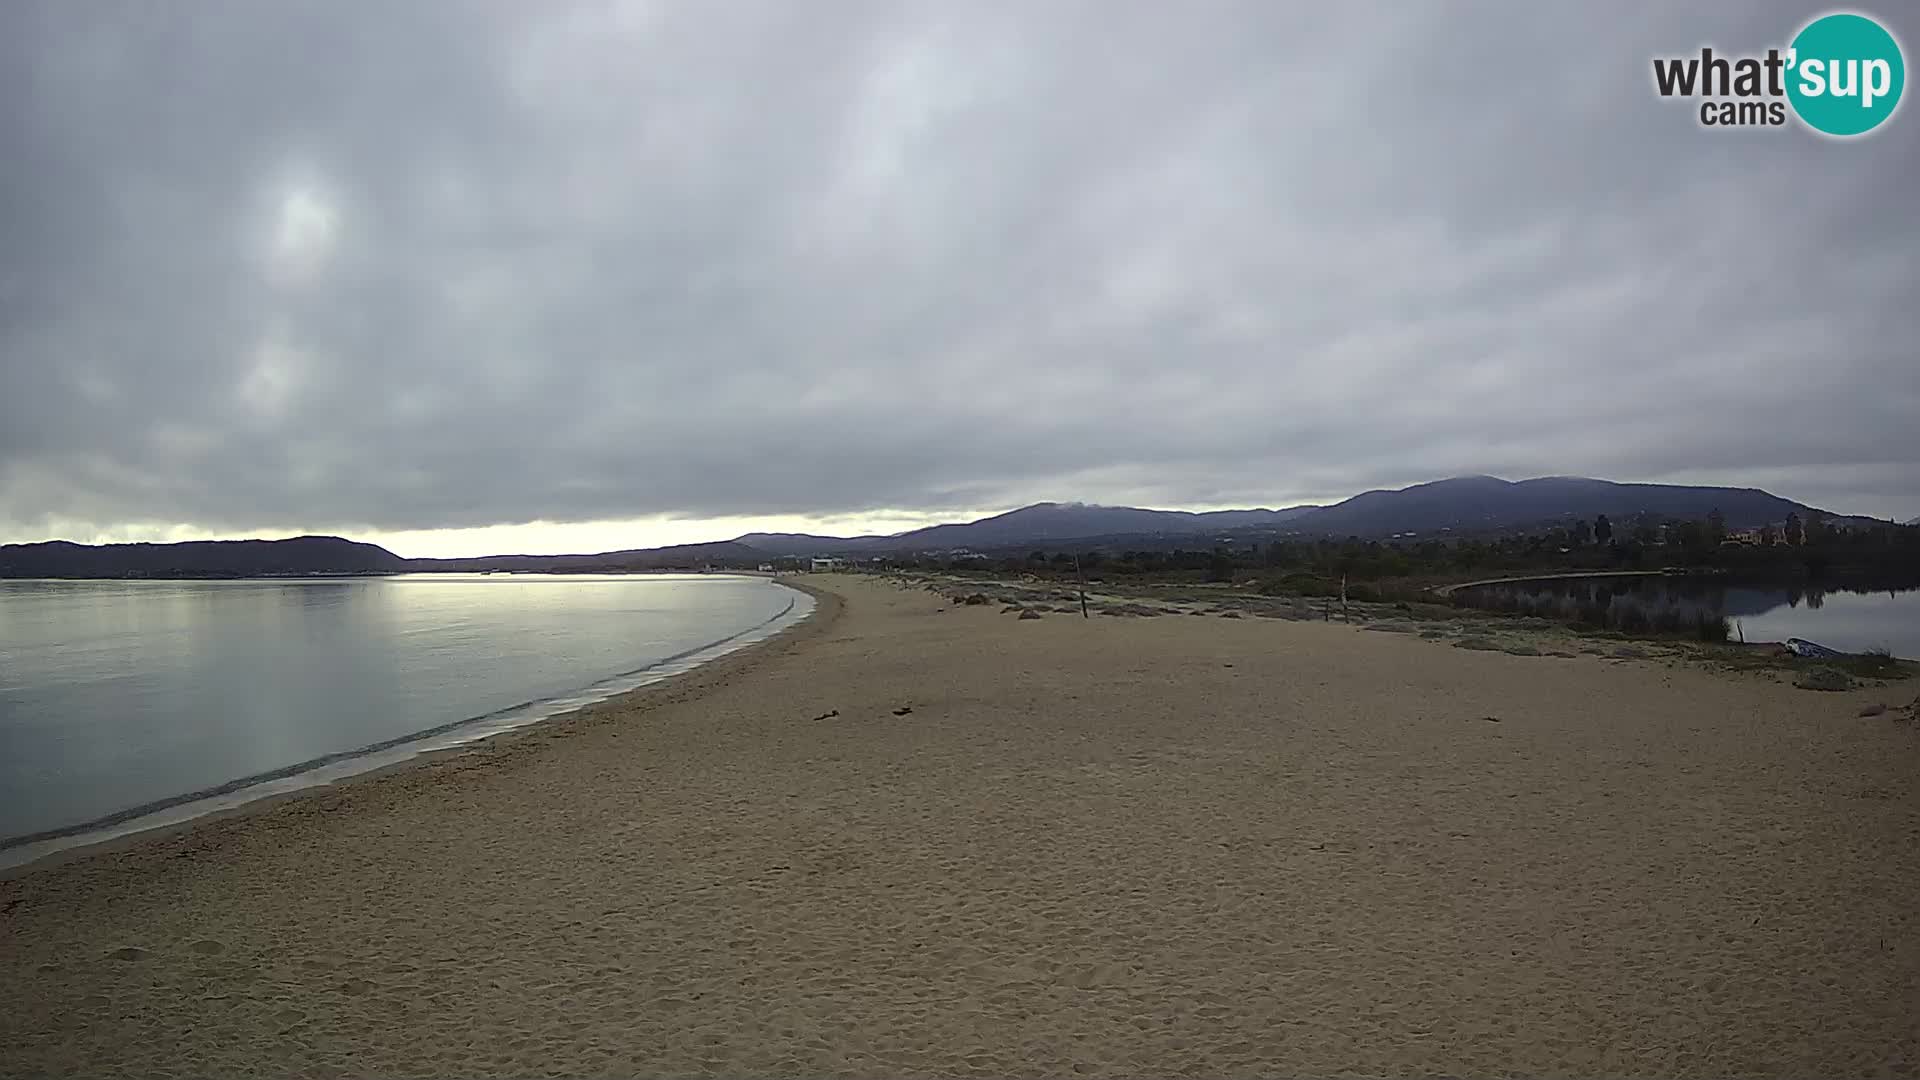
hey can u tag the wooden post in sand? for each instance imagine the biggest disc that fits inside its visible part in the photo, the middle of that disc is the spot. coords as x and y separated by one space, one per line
1082 579
1343 599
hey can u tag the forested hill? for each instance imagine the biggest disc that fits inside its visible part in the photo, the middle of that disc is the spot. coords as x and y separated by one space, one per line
198 559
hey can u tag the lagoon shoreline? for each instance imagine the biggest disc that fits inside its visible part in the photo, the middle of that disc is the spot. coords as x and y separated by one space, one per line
907 837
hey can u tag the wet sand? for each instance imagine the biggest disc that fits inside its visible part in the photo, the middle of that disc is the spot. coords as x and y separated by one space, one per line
917 839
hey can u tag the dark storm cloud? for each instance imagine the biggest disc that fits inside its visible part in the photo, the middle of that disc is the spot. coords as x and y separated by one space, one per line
452 265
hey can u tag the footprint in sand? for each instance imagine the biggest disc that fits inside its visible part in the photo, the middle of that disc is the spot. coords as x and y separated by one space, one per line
208 947
128 952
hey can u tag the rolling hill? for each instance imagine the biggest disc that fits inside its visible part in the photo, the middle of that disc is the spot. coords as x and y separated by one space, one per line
198 559
1043 522
1040 523
1475 503
679 556
781 545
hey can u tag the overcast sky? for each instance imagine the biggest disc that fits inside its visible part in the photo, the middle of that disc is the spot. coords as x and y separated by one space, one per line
424 273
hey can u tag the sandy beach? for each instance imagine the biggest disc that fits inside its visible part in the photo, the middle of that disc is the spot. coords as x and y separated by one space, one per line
912 838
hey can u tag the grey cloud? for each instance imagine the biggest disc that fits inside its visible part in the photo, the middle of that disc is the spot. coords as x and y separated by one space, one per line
459 264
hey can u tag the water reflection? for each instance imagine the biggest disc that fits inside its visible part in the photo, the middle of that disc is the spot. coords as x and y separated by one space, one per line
1848 617
119 693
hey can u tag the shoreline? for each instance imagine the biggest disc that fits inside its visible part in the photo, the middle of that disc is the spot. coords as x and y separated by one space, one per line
1735 623
1571 575
246 795
1433 619
919 837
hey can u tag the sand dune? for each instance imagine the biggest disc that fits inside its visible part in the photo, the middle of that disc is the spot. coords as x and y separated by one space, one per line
1123 847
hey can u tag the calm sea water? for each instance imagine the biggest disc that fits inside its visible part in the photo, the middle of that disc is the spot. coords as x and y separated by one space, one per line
117 695
1851 620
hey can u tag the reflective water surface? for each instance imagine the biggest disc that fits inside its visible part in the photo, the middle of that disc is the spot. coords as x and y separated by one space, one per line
1850 620
120 694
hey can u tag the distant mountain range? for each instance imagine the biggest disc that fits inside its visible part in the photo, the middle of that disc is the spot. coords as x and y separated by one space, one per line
1460 506
1480 503
1040 523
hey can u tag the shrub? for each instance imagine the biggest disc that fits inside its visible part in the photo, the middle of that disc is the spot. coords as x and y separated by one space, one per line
1300 585
1823 678
1877 661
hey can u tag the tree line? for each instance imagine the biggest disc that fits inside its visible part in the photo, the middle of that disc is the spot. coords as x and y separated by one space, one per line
1796 550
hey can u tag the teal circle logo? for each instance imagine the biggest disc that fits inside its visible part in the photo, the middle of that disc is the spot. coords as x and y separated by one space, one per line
1846 74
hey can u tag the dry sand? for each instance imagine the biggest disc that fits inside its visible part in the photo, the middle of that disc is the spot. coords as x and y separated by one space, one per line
1120 847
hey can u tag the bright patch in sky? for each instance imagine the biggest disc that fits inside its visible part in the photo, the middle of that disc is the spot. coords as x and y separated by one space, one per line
529 538
592 537
306 226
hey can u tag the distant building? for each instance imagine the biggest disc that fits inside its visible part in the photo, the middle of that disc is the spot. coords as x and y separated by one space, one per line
766 568
821 565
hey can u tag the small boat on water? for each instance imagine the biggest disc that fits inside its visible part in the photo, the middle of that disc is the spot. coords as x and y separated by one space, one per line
1812 649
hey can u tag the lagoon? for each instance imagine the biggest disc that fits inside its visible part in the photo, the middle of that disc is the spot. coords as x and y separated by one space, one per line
1848 619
